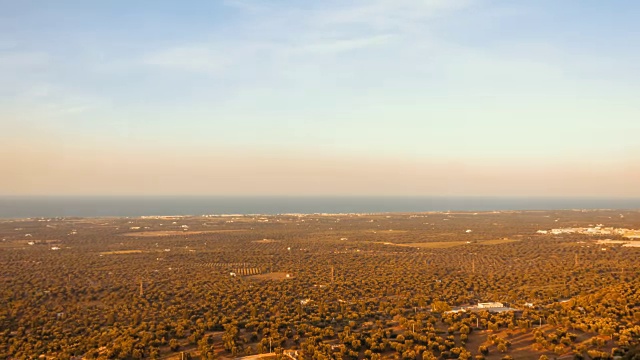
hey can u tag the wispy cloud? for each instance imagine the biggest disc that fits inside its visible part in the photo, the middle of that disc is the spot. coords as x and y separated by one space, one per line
7 44
12 60
21 73
33 102
341 45
276 33
196 58
246 5
389 13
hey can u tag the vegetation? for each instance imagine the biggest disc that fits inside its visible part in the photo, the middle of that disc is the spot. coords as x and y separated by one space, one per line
328 286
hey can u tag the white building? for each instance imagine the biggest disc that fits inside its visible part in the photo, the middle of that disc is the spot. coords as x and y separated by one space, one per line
489 305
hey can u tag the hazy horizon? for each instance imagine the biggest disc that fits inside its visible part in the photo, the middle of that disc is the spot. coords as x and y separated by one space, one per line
120 206
338 98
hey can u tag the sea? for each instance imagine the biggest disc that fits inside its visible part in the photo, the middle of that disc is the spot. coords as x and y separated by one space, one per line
133 206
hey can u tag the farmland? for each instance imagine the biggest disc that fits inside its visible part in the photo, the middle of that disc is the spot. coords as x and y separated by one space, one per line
329 286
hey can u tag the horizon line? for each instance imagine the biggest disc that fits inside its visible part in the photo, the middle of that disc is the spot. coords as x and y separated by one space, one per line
315 196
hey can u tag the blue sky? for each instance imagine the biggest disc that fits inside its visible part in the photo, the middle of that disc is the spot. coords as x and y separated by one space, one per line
434 83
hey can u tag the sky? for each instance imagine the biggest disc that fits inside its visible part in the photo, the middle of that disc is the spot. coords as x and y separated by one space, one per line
349 97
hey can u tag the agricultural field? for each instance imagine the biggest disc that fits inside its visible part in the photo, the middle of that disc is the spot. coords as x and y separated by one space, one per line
342 286
174 233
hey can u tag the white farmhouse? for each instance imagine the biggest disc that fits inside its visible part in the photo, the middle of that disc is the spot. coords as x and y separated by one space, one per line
489 305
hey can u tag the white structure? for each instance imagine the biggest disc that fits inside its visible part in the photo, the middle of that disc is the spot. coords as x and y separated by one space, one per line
489 305
455 311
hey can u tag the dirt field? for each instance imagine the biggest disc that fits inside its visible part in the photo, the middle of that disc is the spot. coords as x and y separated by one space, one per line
265 241
624 243
259 356
432 245
496 241
121 252
521 342
449 244
8 244
176 232
271 276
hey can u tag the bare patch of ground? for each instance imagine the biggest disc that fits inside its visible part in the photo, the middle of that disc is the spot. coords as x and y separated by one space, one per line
8 244
272 276
121 252
449 244
176 232
432 244
496 241
265 241
624 243
259 356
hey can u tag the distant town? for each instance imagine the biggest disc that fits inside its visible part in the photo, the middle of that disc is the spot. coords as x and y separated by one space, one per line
594 230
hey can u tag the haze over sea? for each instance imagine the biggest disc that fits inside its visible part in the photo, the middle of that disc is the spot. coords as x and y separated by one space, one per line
22 206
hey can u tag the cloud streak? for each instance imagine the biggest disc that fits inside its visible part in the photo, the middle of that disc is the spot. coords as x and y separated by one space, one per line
197 58
279 33
342 45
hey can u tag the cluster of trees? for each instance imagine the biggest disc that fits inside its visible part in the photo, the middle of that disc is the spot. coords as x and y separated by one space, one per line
106 295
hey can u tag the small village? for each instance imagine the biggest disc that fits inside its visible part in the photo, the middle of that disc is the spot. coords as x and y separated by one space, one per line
594 230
